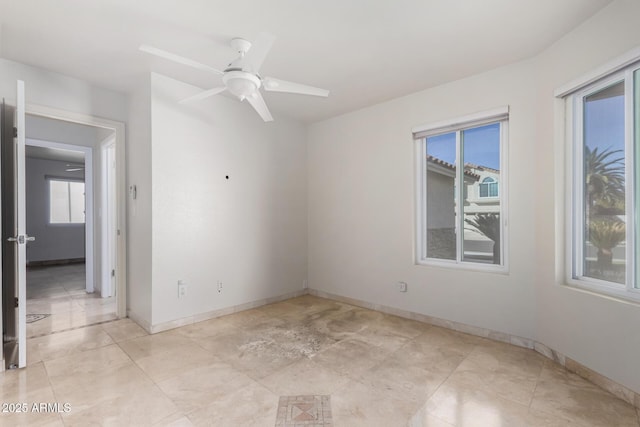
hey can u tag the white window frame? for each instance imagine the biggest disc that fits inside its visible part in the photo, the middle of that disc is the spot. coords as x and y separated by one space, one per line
488 184
420 134
620 69
68 181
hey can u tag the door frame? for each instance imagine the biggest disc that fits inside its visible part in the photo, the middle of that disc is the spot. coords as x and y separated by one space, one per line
108 215
121 198
89 182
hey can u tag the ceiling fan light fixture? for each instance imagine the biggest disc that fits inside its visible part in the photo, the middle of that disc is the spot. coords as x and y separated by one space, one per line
241 84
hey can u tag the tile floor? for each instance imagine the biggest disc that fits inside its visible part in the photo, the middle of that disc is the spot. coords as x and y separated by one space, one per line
374 370
60 291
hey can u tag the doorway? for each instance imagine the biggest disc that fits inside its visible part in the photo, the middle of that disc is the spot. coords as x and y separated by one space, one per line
62 292
14 221
71 209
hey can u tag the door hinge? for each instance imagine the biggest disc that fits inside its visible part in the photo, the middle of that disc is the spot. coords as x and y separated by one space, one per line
16 302
15 132
113 273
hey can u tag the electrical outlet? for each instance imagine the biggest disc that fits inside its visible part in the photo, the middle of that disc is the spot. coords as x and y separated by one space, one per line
182 289
305 284
219 286
402 286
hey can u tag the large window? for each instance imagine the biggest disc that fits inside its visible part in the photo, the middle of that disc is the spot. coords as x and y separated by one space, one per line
461 205
605 145
66 202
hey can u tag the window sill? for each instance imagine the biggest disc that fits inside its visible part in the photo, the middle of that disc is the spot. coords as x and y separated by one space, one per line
464 266
604 290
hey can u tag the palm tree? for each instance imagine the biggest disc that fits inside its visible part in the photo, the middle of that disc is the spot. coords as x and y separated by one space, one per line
488 224
604 178
606 234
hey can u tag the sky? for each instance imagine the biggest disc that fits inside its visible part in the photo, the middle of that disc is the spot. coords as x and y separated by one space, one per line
481 146
604 122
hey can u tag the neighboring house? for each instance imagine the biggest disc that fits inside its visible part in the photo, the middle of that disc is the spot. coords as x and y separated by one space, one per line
481 195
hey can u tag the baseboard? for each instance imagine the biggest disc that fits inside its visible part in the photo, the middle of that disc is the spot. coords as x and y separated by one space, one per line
139 320
613 387
46 263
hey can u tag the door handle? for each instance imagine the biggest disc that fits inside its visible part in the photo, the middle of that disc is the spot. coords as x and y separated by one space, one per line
21 239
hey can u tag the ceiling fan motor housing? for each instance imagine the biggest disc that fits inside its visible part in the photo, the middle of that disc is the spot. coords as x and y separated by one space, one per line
241 83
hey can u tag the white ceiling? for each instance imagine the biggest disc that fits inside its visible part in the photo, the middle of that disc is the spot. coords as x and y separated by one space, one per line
364 51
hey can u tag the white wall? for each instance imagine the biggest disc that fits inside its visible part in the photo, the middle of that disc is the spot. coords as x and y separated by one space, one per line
53 242
138 153
43 87
361 206
598 332
248 231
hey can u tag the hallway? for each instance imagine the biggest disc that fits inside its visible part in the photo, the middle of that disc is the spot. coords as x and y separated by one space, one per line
58 293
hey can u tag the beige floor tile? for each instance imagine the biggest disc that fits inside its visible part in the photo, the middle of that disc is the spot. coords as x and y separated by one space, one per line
123 329
452 340
197 388
566 396
53 305
313 304
175 420
90 390
27 387
161 366
247 317
413 382
304 377
351 357
354 320
157 344
33 352
266 348
78 367
39 419
423 418
252 405
143 406
64 344
462 406
493 355
308 308
17 384
501 369
60 291
208 328
379 370
356 405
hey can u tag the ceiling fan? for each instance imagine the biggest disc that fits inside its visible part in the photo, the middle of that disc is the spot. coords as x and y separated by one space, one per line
241 77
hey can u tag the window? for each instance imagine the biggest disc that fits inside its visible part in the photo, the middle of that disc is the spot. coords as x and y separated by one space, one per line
605 166
66 202
461 210
488 187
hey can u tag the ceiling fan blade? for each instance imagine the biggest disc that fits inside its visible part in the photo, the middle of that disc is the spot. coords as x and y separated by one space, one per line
257 102
177 58
203 95
275 85
254 58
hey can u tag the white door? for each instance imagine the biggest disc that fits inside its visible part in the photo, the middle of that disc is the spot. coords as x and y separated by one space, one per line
22 237
14 273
